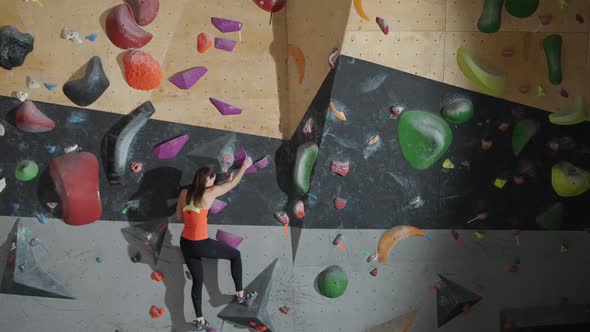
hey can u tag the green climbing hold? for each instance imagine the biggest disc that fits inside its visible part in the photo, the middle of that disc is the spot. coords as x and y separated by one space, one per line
521 8
568 180
573 115
423 137
491 16
26 170
521 135
552 218
307 154
332 282
484 80
458 111
552 47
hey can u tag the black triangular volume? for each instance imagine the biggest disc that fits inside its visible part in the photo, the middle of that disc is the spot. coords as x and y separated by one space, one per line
451 298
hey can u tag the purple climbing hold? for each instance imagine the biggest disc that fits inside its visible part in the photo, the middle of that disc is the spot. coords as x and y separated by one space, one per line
225 44
225 108
170 148
186 79
262 163
230 239
239 157
224 25
217 206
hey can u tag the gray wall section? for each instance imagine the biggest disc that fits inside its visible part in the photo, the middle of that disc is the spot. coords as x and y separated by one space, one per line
117 294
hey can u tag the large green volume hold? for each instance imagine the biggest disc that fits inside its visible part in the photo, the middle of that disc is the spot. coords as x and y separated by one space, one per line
521 8
332 282
552 46
491 16
307 154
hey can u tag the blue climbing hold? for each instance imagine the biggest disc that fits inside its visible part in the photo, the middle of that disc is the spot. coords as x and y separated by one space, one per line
50 87
51 148
99 260
40 217
91 37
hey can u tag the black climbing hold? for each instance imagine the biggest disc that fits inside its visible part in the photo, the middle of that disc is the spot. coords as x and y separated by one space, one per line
14 47
89 88
136 258
118 140
451 299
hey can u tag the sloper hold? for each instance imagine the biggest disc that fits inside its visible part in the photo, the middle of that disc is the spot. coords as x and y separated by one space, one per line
239 156
118 139
224 25
257 312
75 176
307 154
152 233
186 79
225 108
123 31
170 148
89 88
225 44
30 119
14 47
270 6
142 71
228 238
144 11
451 298
24 277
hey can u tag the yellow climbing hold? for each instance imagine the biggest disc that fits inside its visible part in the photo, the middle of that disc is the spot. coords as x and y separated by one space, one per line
479 235
338 114
358 6
483 79
374 139
448 164
568 180
500 183
573 115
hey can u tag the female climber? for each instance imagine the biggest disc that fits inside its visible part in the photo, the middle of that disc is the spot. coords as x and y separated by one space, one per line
192 207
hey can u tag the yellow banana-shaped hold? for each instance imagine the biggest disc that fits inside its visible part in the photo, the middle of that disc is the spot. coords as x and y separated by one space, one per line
338 114
391 237
358 5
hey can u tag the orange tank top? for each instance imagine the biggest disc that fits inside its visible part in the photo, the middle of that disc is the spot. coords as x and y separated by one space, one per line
195 223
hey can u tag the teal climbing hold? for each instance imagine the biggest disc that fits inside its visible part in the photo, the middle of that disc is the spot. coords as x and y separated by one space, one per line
307 155
26 170
423 137
521 8
332 282
458 111
552 218
521 135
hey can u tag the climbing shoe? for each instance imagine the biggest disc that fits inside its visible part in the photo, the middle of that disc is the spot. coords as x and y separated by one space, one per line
201 327
248 298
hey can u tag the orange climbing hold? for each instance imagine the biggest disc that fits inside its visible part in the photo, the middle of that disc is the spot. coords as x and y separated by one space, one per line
299 209
358 6
299 58
157 276
391 237
204 42
142 71
337 114
156 312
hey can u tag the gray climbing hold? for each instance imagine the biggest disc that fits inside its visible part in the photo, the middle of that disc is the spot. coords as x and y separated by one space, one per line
152 233
451 299
14 47
89 88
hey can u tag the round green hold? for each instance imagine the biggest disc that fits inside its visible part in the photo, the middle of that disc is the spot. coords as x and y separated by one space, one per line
521 8
26 170
332 282
458 111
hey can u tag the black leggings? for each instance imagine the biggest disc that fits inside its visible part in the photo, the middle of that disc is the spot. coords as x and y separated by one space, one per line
193 251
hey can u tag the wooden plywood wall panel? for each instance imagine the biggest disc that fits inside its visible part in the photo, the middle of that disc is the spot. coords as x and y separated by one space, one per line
402 15
526 66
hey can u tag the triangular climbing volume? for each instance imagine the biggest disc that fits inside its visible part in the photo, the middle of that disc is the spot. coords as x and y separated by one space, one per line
22 275
255 315
452 299
152 233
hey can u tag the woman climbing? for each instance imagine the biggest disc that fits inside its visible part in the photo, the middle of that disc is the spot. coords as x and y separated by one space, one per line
192 207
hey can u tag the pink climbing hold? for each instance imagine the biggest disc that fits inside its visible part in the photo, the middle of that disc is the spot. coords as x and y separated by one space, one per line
456 236
144 11
224 25
225 108
339 203
225 44
383 25
299 209
340 168
230 239
308 128
373 272
262 163
170 148
30 119
239 156
188 78
282 217
217 206
333 56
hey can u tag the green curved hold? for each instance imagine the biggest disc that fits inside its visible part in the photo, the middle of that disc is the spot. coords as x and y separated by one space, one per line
423 137
491 16
568 180
458 111
573 115
482 79
26 170
332 282
522 134
521 8
552 218
307 154
552 47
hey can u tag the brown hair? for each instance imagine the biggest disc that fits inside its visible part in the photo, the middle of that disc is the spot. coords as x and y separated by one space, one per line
196 191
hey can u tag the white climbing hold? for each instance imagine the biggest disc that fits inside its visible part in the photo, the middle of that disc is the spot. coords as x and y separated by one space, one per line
71 35
72 148
51 205
21 95
32 83
2 184
2 130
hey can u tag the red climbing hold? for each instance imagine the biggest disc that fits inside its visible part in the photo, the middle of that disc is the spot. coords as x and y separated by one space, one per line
284 310
142 71
486 145
383 25
144 11
373 272
30 119
282 217
157 276
299 209
204 42
339 203
308 128
156 312
340 168
136 167
75 176
504 126
123 31
271 6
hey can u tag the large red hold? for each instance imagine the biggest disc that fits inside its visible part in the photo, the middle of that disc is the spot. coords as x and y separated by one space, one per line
144 11
123 31
30 119
270 6
75 176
